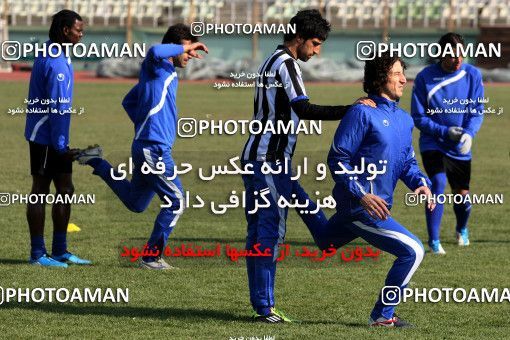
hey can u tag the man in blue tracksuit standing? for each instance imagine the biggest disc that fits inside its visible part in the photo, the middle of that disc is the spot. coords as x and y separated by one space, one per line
447 108
47 132
276 104
151 105
381 136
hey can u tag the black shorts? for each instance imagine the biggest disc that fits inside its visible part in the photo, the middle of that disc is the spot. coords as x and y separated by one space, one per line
458 172
46 161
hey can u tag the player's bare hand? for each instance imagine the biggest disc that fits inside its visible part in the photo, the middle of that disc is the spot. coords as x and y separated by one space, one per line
365 101
192 49
375 206
423 190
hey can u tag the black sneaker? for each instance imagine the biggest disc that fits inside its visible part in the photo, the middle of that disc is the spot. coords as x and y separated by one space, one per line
274 316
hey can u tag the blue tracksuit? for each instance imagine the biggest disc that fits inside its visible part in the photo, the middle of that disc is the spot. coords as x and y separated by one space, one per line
453 99
51 89
267 226
437 89
151 106
381 133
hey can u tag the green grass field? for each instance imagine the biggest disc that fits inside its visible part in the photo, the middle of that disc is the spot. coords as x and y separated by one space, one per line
208 297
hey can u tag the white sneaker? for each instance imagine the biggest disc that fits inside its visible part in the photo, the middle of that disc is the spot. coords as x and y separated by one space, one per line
436 248
85 155
159 264
463 237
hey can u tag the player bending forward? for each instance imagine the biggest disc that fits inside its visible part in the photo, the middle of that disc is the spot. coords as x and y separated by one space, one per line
151 105
371 135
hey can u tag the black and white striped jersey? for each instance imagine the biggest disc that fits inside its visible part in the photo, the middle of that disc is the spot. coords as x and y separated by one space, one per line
279 84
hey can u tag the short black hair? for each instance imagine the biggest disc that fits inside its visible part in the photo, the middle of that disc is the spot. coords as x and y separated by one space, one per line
376 72
451 39
309 24
64 18
177 33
